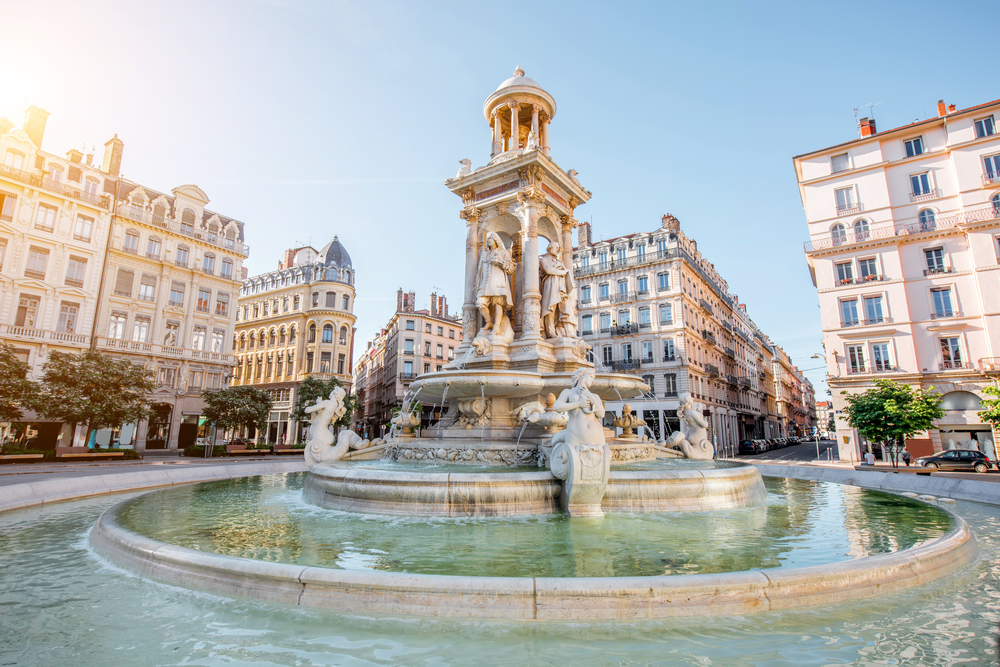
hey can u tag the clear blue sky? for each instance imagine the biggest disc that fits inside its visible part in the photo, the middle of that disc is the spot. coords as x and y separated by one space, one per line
309 119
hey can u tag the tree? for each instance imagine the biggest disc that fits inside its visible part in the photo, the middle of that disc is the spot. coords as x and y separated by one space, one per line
94 388
313 388
890 412
992 412
16 390
232 407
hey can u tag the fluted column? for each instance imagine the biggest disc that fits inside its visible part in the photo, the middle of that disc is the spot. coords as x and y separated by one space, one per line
469 310
534 123
531 294
497 146
544 139
514 129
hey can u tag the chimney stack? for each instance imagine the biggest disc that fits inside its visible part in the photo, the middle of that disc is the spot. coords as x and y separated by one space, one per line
670 223
867 127
942 109
434 304
34 124
74 156
951 108
583 234
113 156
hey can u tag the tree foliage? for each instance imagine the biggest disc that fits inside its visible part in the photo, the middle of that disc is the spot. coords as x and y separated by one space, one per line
94 388
991 414
313 388
17 392
232 407
890 412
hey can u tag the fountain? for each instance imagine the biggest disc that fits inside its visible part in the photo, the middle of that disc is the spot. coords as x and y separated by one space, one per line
522 436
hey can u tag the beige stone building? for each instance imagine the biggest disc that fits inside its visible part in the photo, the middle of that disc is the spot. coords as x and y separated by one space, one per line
293 323
412 343
93 260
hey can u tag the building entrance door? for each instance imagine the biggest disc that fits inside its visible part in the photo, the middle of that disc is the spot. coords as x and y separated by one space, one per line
188 433
158 428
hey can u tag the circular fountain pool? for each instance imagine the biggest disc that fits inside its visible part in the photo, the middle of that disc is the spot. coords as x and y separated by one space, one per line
258 538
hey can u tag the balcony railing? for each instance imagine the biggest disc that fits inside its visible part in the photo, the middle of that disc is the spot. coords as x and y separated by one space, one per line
953 365
979 215
406 377
945 314
991 179
729 352
744 382
138 214
712 370
925 196
587 332
938 269
869 321
625 365
584 302
989 364
707 306
850 208
670 394
666 323
708 335
731 379
619 264
622 297
727 326
872 370
863 280
645 325
645 361
29 333
37 180
625 329
603 297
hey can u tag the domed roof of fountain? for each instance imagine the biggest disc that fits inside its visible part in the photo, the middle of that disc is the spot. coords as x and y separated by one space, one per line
520 88
334 252
519 80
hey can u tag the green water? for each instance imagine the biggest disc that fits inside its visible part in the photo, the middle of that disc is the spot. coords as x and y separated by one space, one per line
265 518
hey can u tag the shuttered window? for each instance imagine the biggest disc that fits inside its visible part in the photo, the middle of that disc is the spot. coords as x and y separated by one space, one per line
123 283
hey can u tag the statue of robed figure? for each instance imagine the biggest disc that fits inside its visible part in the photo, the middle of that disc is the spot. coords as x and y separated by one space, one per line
493 294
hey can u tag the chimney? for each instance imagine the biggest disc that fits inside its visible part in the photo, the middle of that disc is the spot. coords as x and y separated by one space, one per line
289 259
88 159
34 124
951 108
411 301
5 126
670 223
443 306
867 127
113 156
74 156
434 304
399 300
942 109
583 234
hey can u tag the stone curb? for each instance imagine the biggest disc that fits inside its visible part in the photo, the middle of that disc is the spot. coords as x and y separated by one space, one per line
942 487
59 488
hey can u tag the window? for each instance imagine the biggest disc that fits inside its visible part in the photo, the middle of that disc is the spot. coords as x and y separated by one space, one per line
427 349
176 294
666 313
934 257
75 269
68 313
621 254
14 159
642 284
198 338
140 329
647 350
838 233
640 250
605 322
585 260
608 357
951 353
187 221
439 351
941 298
644 318
451 353
985 127
585 294
995 201
218 338
409 325
624 317
166 377
324 362
222 306
343 337
845 199
55 173
663 282
327 333
182 256
208 263
670 384
856 358
668 350
45 217
603 291
130 242
116 325
927 219
204 299
7 202
291 335
227 269
427 328
171 333
123 282
341 361
873 310
914 146
451 332
83 227
588 324
920 184
867 268
153 246
331 299
880 357
408 368
845 273
295 303
860 230
849 313
90 185
661 247
840 163
311 337
626 351
27 311
346 301
623 287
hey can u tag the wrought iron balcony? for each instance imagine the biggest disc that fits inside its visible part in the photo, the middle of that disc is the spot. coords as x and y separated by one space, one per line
934 270
850 208
863 280
708 335
712 370
625 329
587 332
953 365
667 322
670 357
727 326
744 382
729 352
645 361
869 321
406 377
872 370
622 297
707 306
624 365
584 302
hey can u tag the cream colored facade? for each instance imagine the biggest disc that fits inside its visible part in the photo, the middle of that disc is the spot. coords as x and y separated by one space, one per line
412 343
904 230
98 261
294 323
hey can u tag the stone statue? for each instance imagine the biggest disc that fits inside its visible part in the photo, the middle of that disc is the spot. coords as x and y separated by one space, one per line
692 439
320 447
465 169
557 284
531 143
627 421
579 455
493 297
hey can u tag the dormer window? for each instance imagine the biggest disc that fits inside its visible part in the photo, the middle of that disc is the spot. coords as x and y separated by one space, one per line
914 146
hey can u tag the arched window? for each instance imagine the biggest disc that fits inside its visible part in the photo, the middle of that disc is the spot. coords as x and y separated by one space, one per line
838 233
343 335
996 206
281 336
312 334
328 333
860 230
187 217
927 219
243 341
272 338
347 276
253 339
291 335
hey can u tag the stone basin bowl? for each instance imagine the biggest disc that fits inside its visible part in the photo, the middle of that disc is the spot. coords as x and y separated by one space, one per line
468 384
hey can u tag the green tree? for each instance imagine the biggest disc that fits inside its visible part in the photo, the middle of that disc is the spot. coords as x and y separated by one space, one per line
991 414
232 407
94 388
313 388
890 412
17 392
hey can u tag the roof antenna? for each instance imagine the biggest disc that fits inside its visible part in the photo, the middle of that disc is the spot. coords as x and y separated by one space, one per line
871 114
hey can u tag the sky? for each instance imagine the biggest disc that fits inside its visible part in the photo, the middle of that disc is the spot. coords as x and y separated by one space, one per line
309 119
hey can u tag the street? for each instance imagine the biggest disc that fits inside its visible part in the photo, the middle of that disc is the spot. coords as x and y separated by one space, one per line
802 452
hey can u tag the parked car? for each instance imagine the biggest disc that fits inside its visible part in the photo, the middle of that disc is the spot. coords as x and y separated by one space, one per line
748 447
956 459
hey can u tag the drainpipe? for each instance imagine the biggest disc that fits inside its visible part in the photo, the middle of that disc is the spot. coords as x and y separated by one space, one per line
104 266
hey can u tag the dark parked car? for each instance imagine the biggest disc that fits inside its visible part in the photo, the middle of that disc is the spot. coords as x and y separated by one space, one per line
749 447
957 459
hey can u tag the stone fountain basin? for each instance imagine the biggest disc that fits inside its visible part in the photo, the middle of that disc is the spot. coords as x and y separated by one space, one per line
470 384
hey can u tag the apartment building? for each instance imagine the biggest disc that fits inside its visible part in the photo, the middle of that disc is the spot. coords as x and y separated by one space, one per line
904 240
413 342
91 259
649 303
294 323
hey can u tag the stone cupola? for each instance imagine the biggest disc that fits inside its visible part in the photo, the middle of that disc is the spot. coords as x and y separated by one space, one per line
518 110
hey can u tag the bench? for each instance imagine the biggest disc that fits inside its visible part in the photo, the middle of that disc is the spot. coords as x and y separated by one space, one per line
21 457
287 449
911 470
239 449
84 453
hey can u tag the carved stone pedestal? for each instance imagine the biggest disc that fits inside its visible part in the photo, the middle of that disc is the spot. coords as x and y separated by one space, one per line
584 469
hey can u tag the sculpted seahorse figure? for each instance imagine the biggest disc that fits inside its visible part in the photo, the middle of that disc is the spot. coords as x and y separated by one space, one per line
320 447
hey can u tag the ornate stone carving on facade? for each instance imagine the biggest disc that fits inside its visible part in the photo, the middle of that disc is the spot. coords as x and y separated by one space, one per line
465 169
557 286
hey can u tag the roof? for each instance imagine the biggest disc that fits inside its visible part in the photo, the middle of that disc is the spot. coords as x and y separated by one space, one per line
128 186
519 80
334 252
898 129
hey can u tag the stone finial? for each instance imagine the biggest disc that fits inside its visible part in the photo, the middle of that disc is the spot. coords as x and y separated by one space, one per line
518 71
550 400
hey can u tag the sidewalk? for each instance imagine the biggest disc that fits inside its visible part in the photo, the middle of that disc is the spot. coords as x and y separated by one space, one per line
881 466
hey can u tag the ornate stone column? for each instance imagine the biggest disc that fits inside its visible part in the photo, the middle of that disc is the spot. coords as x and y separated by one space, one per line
534 123
515 132
469 310
544 138
497 146
529 213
